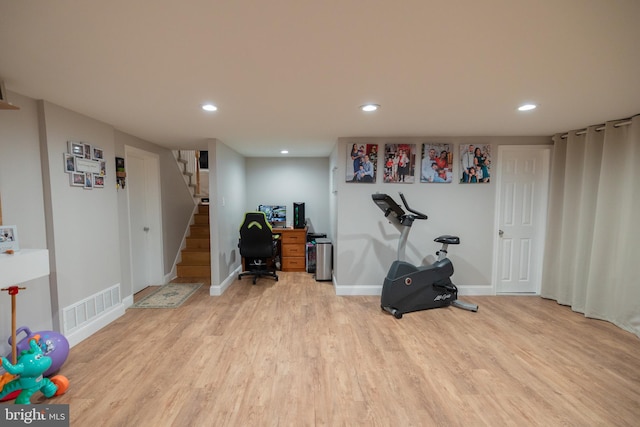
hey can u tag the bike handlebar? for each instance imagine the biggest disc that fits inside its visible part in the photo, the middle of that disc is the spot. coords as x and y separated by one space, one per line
418 215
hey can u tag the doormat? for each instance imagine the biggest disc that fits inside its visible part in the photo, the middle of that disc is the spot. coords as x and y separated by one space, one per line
172 295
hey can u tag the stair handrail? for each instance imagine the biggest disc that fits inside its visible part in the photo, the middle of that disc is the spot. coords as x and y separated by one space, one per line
197 155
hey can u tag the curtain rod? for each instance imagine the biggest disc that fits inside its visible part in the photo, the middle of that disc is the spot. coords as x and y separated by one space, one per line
601 127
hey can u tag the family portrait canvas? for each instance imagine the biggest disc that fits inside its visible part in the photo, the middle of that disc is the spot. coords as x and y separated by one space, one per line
475 163
362 163
399 163
437 163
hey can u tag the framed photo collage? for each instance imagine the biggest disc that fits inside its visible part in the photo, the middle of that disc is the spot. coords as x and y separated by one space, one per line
432 163
85 164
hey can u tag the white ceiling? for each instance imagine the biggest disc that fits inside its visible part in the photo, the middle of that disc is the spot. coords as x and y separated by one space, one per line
292 73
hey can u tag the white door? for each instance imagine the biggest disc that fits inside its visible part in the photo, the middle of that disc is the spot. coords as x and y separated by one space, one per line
522 191
143 188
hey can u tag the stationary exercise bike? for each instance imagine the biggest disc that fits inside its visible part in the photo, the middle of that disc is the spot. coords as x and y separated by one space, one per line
409 288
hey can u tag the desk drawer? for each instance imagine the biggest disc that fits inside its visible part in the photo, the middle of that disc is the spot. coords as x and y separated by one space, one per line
294 237
294 264
293 250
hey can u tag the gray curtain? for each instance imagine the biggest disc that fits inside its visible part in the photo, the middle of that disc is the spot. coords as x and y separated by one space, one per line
592 254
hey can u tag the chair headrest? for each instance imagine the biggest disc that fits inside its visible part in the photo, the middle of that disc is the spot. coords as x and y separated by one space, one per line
255 219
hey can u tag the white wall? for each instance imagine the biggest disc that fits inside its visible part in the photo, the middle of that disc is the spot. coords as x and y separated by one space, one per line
83 237
81 228
23 206
367 243
227 197
285 180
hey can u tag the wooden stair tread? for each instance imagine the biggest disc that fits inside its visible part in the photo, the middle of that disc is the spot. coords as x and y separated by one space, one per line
196 256
194 270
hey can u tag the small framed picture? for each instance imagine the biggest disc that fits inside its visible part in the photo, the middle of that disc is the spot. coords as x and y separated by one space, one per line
76 148
103 168
77 179
98 154
88 180
87 151
8 238
98 181
69 162
119 164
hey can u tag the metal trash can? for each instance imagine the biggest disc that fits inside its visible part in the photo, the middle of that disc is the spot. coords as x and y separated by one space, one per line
324 260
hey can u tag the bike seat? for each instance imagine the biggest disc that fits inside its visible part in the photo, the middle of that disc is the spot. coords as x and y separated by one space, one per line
450 240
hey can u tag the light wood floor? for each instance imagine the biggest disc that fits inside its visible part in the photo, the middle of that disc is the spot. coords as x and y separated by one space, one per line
292 353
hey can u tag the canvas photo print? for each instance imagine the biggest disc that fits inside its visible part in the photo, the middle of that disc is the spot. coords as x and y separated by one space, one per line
437 163
399 163
475 163
362 163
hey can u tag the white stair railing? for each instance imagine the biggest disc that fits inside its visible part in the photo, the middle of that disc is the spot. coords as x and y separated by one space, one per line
187 162
196 180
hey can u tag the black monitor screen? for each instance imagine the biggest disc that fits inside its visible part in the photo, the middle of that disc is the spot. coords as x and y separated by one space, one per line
276 214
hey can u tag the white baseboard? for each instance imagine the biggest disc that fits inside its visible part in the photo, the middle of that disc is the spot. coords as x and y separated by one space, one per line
84 318
127 301
217 290
480 290
377 290
358 290
91 328
172 275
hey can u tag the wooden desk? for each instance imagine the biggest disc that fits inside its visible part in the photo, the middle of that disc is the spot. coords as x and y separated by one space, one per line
293 242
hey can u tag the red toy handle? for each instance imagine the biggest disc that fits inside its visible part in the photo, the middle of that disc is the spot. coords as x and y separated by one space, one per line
13 290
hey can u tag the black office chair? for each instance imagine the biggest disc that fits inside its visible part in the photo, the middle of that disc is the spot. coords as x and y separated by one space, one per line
257 247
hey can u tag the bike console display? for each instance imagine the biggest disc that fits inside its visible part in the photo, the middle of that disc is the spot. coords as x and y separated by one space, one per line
388 205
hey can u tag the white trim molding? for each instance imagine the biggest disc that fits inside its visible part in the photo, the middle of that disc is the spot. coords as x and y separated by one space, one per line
84 318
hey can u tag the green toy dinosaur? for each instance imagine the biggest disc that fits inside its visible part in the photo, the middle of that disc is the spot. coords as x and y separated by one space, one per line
31 365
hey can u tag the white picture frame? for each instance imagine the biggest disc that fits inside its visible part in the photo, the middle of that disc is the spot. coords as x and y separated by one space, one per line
98 181
88 151
9 238
76 179
76 148
97 153
69 162
88 181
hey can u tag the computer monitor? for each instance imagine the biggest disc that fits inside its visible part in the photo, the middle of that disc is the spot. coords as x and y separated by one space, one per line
276 214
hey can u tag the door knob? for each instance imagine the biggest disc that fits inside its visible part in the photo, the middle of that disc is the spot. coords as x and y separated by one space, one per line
500 233
146 229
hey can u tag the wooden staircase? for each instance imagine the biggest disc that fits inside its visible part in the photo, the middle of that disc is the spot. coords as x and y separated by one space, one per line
196 257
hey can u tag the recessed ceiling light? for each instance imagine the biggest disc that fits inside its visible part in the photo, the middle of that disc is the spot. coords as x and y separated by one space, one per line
209 107
369 107
284 152
527 107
